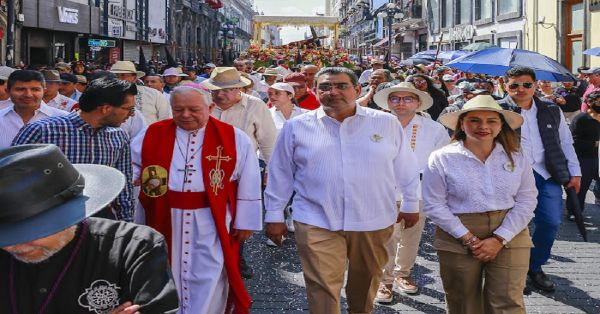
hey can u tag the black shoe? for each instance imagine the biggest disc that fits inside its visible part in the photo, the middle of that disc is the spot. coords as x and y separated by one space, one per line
245 270
541 281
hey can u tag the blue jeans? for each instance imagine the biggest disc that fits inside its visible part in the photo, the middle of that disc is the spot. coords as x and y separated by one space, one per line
548 216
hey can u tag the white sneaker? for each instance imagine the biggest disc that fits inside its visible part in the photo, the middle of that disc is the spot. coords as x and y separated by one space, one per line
289 223
272 244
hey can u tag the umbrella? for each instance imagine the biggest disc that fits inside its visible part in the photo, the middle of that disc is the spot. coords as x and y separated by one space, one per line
428 54
478 46
170 61
452 54
593 52
415 61
496 61
143 64
575 209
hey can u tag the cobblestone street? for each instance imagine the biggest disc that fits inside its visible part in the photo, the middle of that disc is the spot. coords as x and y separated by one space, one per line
278 285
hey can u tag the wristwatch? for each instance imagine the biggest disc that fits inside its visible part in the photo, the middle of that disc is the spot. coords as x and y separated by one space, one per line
500 239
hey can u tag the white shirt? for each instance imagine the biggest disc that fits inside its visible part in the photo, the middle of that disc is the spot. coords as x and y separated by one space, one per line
197 258
428 137
152 104
364 77
533 148
11 123
344 173
280 120
252 116
134 125
5 103
283 71
457 182
62 102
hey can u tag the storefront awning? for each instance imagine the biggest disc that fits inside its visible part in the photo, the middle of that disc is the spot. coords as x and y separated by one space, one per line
381 42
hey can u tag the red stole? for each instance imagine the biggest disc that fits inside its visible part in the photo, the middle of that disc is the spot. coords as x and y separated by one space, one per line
218 163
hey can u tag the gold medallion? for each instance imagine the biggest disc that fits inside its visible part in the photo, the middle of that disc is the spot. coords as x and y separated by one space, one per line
154 181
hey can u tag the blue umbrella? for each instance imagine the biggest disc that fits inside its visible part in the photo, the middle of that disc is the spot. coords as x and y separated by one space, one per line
427 54
593 52
452 54
496 61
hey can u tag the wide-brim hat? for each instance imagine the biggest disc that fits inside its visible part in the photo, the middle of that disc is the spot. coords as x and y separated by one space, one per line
272 72
381 97
225 77
174 72
5 72
51 76
125 67
101 185
482 103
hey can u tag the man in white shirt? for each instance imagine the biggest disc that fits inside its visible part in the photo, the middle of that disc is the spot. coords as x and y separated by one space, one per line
282 68
51 95
425 136
4 97
345 163
150 102
26 89
68 86
376 64
547 143
155 80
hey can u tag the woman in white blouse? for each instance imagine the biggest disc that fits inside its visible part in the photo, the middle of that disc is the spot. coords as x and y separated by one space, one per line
281 96
480 192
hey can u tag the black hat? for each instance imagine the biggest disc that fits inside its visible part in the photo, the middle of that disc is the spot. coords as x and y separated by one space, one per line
43 193
68 78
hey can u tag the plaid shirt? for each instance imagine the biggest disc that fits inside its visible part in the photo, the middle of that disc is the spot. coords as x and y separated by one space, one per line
82 144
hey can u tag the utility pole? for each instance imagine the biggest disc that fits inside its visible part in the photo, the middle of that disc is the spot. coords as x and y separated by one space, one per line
10 33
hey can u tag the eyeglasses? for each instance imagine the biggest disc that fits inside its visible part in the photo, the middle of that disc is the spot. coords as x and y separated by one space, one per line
405 99
325 87
527 85
130 109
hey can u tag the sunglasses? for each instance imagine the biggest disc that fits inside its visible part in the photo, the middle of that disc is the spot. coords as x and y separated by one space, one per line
325 87
405 99
527 85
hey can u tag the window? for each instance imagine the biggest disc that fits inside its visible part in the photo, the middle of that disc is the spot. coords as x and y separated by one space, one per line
463 12
447 6
434 15
508 6
577 17
573 38
508 42
483 9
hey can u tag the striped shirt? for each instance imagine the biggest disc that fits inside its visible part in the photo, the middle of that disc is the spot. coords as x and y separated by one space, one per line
82 144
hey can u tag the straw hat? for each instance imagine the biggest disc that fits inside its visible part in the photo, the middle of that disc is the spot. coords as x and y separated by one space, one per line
381 97
225 77
174 72
482 103
126 67
272 72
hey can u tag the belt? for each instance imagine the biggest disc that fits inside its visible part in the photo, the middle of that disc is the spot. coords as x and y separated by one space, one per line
488 213
188 200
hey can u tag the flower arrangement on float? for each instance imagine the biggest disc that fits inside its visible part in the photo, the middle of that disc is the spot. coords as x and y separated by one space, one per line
319 56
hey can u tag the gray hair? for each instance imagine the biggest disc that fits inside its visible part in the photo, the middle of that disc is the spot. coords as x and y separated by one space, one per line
207 97
338 71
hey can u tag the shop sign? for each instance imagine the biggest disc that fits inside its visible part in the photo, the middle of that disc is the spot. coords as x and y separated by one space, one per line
115 28
114 55
101 43
117 11
68 15
461 33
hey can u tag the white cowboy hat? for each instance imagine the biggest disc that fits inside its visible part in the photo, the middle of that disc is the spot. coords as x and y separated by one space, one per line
174 72
482 103
381 97
225 77
126 67
272 72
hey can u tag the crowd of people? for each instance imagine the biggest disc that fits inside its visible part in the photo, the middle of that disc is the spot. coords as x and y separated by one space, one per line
134 192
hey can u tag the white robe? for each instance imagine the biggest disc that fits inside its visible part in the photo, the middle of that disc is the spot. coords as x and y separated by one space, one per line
196 255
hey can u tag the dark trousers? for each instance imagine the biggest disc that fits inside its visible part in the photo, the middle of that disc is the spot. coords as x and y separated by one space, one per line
548 216
589 172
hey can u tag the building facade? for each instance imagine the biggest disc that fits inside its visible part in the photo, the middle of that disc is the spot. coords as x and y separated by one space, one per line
454 24
562 30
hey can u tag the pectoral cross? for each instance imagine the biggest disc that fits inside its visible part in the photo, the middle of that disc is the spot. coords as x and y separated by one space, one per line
186 170
217 174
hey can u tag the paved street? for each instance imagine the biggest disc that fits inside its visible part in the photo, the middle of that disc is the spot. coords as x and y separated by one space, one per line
278 285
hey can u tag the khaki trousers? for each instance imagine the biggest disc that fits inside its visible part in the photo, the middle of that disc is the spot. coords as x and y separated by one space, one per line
402 248
324 255
474 287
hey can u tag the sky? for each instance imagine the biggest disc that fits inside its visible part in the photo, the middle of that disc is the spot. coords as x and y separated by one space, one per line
287 7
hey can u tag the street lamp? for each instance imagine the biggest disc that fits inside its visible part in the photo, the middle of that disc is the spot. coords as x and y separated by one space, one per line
390 12
225 32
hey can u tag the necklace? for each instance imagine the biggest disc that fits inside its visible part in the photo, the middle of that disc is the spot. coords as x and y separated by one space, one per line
413 137
187 158
11 275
